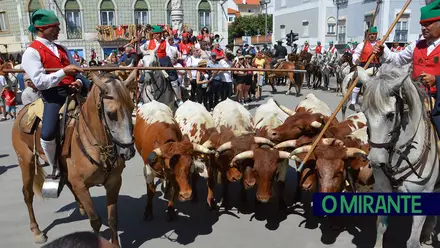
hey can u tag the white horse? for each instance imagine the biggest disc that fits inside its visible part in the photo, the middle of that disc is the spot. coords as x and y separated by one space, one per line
403 144
156 86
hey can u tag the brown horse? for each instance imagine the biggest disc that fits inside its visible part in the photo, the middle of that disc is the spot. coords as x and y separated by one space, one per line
285 65
299 76
97 143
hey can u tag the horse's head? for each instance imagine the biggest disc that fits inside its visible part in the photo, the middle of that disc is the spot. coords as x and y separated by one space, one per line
149 59
393 107
345 58
110 100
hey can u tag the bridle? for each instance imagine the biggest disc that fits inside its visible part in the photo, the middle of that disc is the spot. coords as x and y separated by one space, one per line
107 150
158 91
403 150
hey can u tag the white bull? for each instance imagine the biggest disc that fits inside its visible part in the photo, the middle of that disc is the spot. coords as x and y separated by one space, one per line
234 116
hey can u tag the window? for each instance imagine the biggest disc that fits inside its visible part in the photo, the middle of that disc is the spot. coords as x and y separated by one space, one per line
169 12
342 27
231 18
3 22
73 20
401 30
107 10
141 13
107 51
80 52
204 15
331 26
305 29
283 31
368 19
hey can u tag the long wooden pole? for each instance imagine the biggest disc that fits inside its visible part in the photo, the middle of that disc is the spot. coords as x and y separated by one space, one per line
160 68
350 89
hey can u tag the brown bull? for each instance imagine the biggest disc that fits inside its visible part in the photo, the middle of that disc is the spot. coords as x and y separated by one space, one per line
89 156
166 153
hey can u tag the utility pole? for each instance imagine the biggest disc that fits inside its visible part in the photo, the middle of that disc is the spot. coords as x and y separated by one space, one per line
338 3
265 3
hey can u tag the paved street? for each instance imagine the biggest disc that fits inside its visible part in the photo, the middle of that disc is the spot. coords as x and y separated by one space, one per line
196 226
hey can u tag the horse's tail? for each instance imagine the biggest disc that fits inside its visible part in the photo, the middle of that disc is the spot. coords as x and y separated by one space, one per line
38 179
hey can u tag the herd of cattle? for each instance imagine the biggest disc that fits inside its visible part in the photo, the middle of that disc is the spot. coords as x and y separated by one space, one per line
231 145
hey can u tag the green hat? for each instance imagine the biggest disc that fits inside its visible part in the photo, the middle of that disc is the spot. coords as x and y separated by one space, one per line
430 12
75 51
355 43
157 29
331 43
347 46
114 51
373 30
319 41
43 18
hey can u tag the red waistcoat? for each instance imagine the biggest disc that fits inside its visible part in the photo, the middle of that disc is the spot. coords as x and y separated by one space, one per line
366 53
306 48
185 48
424 63
161 51
318 49
50 60
397 49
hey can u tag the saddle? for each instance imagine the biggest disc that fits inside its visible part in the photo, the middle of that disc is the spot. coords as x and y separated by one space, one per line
30 122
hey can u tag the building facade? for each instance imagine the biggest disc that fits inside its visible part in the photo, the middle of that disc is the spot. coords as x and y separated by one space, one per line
85 22
315 20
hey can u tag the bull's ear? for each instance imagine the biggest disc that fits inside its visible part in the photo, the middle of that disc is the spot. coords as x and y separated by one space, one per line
174 160
186 138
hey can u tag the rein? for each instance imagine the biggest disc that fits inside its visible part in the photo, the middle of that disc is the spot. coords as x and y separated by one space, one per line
108 149
404 150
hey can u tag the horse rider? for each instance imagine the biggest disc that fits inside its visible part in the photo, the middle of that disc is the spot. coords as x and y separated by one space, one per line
361 55
161 48
55 87
424 54
306 47
355 44
331 53
396 47
295 48
319 49
280 53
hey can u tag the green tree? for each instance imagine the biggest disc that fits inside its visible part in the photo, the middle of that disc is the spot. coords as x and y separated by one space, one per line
249 25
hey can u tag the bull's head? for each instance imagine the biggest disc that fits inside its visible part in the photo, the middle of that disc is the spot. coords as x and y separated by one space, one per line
266 164
176 161
297 125
331 166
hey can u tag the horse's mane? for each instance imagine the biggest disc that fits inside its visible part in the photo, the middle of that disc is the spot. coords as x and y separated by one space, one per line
389 81
121 92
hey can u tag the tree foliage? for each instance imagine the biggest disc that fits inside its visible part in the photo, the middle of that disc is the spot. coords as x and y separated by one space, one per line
249 25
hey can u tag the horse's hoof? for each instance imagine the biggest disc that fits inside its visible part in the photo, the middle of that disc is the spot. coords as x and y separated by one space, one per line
40 238
171 214
82 212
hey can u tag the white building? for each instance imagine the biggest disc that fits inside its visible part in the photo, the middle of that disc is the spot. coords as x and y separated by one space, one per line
315 20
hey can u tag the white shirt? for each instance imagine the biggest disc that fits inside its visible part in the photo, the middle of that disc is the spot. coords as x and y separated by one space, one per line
144 47
193 62
226 75
406 56
358 50
31 63
172 52
179 72
3 82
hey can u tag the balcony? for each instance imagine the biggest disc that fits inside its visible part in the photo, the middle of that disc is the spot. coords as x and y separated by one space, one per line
74 33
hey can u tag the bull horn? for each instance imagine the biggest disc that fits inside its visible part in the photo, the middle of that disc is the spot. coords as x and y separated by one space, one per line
297 159
284 108
158 151
283 155
241 156
316 124
202 149
329 141
351 152
224 147
286 144
208 144
302 149
261 140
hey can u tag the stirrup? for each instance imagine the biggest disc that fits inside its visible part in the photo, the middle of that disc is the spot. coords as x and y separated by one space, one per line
53 184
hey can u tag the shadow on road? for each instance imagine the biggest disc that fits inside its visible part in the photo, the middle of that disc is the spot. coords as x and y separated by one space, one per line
4 169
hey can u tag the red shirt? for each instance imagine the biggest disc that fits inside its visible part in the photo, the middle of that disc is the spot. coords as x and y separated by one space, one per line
9 96
425 63
161 51
219 52
50 60
185 48
366 53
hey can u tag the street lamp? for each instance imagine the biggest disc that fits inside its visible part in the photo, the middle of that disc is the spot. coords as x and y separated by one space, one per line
262 3
338 3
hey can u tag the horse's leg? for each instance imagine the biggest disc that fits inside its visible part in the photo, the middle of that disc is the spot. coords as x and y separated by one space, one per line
416 231
27 166
80 206
83 194
381 227
428 229
171 212
112 188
